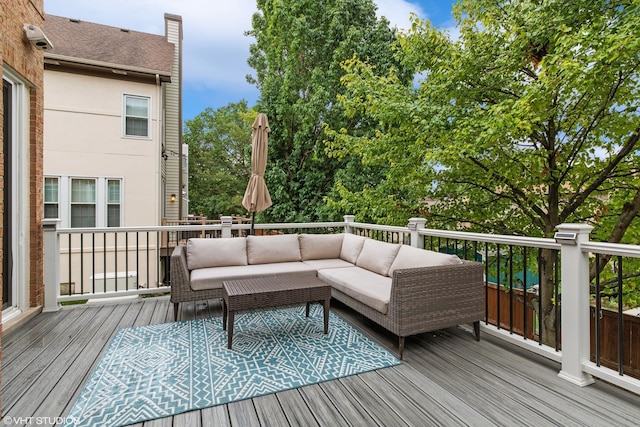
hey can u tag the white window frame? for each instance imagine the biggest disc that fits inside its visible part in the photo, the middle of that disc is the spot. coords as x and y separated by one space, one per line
101 201
94 203
44 196
125 116
21 172
107 202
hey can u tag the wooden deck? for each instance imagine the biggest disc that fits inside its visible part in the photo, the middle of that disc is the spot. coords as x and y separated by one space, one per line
446 379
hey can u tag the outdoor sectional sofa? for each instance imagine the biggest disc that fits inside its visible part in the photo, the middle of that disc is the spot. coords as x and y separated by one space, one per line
404 289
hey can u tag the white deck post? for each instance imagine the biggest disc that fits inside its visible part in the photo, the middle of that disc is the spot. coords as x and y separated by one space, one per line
575 302
414 225
226 222
348 219
51 265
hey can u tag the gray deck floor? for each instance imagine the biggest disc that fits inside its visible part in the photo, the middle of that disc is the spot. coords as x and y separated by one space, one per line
446 379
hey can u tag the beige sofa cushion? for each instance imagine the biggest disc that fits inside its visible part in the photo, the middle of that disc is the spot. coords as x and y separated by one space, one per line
363 285
270 249
320 264
410 257
377 256
212 278
320 246
203 253
351 247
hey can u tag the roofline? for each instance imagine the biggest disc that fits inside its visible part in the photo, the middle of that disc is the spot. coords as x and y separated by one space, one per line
51 58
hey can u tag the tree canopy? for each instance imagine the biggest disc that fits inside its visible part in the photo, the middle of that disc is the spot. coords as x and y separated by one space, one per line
219 159
528 120
297 55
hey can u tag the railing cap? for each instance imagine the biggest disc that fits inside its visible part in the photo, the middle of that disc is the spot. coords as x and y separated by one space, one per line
576 228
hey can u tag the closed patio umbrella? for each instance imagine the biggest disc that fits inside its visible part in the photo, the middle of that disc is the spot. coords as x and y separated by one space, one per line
256 197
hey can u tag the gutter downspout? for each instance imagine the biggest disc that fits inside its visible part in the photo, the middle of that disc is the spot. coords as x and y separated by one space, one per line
159 207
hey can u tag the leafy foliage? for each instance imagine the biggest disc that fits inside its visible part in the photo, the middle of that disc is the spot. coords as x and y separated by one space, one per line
529 120
219 159
297 55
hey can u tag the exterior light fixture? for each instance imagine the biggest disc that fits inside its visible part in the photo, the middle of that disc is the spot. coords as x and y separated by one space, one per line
37 37
173 197
565 238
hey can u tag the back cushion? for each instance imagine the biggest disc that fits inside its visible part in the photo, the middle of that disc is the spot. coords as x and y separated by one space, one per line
377 256
320 246
351 247
268 249
410 257
203 253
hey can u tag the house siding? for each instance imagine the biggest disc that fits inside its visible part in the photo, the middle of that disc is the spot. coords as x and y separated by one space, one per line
25 60
84 135
173 125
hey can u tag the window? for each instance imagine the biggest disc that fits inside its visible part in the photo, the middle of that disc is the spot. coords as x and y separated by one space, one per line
136 116
83 203
51 198
113 203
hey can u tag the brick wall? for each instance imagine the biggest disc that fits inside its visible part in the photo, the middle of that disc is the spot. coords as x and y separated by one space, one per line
18 54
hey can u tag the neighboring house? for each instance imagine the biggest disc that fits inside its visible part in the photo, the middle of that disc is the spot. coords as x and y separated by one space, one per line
112 113
21 120
112 142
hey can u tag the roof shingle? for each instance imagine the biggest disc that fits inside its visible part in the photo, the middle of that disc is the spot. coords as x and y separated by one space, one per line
118 47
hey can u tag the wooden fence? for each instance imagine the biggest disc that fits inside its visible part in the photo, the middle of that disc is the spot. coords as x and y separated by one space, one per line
608 328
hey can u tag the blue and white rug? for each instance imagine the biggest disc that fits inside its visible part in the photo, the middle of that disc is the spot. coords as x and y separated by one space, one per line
160 370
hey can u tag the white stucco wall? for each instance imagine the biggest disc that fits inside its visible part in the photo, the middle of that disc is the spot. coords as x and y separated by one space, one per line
83 137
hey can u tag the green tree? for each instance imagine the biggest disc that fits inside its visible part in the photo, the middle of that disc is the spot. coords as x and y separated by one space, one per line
219 159
299 45
527 121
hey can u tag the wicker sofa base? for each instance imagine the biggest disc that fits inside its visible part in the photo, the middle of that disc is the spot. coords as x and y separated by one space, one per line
389 324
428 299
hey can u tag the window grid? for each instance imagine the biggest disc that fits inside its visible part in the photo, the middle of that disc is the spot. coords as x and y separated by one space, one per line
83 203
113 203
51 198
136 116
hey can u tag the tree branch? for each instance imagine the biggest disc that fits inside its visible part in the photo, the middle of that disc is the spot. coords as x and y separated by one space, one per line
603 175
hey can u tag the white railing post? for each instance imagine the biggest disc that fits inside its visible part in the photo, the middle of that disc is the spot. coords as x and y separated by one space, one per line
226 222
575 302
414 225
51 264
348 219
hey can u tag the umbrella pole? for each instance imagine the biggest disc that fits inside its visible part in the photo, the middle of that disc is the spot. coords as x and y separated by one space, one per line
253 222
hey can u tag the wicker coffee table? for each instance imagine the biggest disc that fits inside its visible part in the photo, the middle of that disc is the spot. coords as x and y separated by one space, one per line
270 292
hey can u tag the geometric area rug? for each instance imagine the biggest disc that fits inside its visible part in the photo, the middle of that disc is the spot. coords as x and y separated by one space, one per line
156 371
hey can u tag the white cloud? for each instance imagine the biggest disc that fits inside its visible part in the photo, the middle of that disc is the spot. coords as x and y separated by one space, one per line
398 12
215 49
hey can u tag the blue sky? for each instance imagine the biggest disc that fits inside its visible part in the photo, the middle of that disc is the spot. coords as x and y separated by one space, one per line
215 47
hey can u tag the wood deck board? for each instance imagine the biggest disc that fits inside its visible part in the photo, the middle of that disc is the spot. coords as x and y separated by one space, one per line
467 377
269 411
84 354
439 406
321 406
375 405
447 378
539 385
296 412
53 388
352 411
529 393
